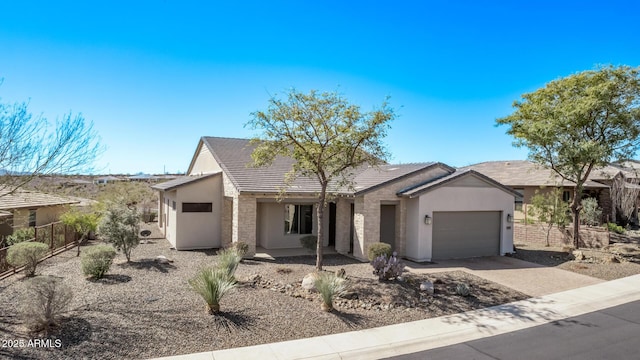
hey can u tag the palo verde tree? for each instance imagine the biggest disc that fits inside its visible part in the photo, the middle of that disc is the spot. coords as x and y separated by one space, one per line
30 147
326 136
578 123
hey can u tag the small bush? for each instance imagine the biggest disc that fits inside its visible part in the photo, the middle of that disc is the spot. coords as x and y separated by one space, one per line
378 249
46 299
27 254
329 286
212 284
613 227
309 242
387 269
96 260
228 260
591 213
241 247
463 290
21 235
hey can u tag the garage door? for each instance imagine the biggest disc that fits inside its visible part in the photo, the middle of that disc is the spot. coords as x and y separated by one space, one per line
466 234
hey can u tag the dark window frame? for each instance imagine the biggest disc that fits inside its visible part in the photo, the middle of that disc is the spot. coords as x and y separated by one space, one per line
301 222
33 213
197 207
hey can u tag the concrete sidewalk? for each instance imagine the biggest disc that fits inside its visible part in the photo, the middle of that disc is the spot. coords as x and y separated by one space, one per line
447 330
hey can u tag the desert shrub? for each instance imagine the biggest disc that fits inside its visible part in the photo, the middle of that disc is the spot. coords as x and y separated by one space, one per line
120 226
212 284
228 260
96 260
27 254
378 249
46 300
309 242
21 235
591 213
463 290
241 247
387 268
613 227
329 286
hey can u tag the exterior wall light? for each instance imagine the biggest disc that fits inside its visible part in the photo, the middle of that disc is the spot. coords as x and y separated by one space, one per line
427 220
509 218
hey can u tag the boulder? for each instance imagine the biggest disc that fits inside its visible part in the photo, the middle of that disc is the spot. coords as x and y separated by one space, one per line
578 255
161 259
309 281
341 273
427 286
253 279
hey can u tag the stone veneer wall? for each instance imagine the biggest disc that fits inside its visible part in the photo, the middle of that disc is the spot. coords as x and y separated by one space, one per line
590 237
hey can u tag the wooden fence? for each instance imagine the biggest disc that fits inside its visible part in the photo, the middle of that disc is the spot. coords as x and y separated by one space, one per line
57 235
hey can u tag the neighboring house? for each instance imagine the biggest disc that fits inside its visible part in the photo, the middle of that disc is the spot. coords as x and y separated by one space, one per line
526 177
425 211
29 209
107 180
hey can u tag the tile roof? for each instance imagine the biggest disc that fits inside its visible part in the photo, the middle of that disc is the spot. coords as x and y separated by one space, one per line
234 157
435 183
20 199
515 173
172 184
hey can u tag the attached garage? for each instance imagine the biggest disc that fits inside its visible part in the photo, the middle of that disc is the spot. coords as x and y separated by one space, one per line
462 215
463 234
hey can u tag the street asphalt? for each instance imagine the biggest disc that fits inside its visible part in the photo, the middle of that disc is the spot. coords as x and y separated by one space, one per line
610 333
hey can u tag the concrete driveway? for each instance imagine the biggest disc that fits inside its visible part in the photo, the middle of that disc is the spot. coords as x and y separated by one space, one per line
529 278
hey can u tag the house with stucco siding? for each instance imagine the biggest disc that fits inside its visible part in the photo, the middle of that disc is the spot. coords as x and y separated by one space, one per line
425 210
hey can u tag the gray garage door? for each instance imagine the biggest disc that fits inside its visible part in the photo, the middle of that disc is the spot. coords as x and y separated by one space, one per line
464 234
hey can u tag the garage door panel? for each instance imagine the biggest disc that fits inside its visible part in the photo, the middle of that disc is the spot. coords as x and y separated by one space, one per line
465 234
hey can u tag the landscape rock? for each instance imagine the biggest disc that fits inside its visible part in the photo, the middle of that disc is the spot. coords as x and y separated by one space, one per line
309 281
578 255
253 279
161 259
341 273
427 286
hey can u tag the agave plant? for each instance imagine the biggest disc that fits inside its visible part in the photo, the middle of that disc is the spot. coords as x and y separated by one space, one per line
462 289
212 284
329 286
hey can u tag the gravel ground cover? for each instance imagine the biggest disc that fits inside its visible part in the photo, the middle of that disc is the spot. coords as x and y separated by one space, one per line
613 262
144 309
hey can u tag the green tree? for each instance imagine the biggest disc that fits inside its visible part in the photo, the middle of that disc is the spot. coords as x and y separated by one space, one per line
30 147
120 226
550 210
82 222
326 136
578 123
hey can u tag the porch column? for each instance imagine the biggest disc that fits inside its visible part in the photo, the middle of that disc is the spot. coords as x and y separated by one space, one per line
244 221
359 247
343 225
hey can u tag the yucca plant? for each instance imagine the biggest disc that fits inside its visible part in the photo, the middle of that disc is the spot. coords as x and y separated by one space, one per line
212 284
329 286
228 260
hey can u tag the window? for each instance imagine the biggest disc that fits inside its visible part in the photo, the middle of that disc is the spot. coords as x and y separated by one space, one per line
298 219
173 205
566 196
32 218
197 207
519 199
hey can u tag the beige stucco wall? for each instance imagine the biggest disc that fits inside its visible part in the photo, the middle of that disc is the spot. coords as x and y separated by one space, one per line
452 198
204 162
170 216
44 215
199 230
271 233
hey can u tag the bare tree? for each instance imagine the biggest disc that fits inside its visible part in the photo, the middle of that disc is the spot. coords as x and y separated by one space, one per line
624 195
31 146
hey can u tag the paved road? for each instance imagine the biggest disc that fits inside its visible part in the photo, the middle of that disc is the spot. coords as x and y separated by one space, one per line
606 334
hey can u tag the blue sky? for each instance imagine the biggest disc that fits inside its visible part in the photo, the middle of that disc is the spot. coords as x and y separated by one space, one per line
155 76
